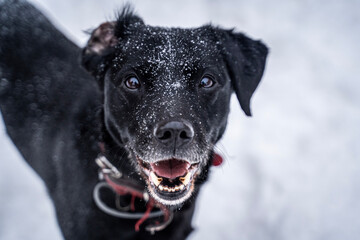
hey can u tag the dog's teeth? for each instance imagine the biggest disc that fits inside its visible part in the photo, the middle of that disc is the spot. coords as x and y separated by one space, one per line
155 179
171 189
185 180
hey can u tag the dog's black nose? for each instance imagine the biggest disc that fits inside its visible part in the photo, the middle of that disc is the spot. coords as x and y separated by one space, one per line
174 133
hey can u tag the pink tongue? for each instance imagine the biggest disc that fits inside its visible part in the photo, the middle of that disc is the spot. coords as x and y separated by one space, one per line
170 168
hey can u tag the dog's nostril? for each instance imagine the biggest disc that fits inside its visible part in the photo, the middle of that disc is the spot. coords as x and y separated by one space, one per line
184 135
166 135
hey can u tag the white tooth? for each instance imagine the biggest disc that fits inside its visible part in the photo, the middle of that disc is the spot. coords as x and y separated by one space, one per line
166 188
185 180
161 187
177 188
155 179
182 187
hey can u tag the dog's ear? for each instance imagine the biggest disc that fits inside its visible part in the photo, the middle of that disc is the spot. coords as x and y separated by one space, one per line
100 45
245 60
104 39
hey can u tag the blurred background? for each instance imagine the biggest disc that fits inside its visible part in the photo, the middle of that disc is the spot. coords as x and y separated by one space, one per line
292 171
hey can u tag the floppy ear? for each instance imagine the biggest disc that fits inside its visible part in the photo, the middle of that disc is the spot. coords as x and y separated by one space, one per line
100 48
100 45
245 61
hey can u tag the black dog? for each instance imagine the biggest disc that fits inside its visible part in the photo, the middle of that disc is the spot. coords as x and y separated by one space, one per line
157 108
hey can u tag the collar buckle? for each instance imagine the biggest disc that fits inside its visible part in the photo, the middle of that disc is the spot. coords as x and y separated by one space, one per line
107 168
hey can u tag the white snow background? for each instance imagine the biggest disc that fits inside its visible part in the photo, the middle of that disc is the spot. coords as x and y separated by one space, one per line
292 171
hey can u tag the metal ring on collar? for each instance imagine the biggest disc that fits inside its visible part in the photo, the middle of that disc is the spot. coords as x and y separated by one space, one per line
113 212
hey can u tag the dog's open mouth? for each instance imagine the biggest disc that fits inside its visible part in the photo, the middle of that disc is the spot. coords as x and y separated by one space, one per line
170 181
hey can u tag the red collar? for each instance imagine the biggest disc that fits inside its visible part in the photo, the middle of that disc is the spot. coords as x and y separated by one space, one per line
217 160
122 186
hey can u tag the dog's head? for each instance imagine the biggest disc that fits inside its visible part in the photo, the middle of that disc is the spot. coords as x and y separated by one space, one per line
166 94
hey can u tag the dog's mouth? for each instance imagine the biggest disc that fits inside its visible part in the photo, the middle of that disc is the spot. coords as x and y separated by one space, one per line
170 181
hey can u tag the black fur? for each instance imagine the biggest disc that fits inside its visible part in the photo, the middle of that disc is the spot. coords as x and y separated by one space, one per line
56 114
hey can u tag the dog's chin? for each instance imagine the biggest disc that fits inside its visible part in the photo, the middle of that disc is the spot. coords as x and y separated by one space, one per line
170 181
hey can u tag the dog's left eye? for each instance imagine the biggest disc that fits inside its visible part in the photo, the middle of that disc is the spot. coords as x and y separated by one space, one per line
206 82
132 83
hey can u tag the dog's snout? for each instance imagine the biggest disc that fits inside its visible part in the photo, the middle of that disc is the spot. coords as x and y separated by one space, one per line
174 133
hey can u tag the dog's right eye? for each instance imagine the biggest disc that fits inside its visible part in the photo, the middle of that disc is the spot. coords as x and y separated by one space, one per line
206 82
132 83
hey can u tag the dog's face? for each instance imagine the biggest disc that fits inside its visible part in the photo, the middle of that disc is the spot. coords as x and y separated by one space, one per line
167 92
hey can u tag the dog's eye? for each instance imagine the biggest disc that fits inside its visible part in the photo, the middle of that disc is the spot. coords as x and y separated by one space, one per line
132 83
206 82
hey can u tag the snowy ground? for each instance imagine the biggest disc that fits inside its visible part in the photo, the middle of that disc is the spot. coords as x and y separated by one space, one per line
293 170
